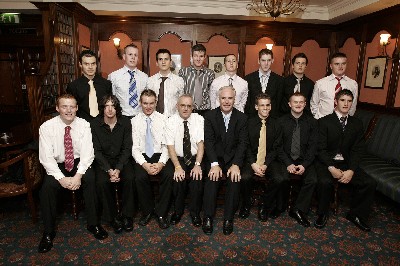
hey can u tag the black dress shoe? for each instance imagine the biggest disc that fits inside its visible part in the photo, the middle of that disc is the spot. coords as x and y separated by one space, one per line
358 222
321 221
244 212
46 243
145 219
228 227
127 223
207 225
98 231
162 222
275 213
262 214
300 217
196 220
175 218
116 225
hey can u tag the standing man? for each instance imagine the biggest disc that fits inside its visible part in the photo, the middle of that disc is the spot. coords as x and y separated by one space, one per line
198 79
184 136
112 141
297 153
66 153
230 79
89 88
264 81
264 137
225 140
165 84
297 82
323 98
128 82
151 155
340 149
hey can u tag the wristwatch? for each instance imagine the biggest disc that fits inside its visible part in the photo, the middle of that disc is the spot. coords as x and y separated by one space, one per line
197 163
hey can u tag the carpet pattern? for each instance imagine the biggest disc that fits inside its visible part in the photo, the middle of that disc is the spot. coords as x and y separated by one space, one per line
277 242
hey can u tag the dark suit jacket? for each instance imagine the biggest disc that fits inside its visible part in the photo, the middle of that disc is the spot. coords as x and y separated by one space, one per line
332 140
274 90
225 147
306 88
273 139
79 88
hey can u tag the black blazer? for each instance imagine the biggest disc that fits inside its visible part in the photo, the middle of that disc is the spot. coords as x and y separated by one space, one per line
226 147
273 139
274 90
79 88
306 88
332 140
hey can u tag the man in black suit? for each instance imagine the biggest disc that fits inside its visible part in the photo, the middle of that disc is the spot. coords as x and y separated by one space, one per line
297 153
261 162
297 82
340 148
264 81
225 140
90 88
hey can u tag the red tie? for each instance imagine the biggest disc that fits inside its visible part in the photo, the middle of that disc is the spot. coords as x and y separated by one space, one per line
69 150
338 85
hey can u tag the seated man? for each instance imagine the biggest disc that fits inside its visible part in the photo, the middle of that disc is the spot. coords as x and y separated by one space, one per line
66 153
112 141
225 140
261 159
340 148
297 153
184 136
151 155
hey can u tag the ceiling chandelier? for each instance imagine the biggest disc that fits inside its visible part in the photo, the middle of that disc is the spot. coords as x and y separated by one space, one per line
275 8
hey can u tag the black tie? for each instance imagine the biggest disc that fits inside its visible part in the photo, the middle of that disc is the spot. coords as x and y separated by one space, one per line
295 148
343 122
187 153
160 103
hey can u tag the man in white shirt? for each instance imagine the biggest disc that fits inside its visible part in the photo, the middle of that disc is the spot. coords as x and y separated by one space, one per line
325 89
184 136
230 78
128 82
165 84
151 155
66 153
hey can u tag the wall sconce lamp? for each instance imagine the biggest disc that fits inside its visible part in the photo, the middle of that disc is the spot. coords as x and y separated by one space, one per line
117 42
269 46
384 41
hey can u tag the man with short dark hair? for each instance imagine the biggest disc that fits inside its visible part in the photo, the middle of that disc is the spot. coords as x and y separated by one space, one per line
340 149
128 82
165 84
198 79
297 82
264 81
112 141
89 88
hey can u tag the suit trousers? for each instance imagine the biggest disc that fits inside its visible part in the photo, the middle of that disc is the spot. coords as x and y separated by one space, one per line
363 187
145 193
48 197
180 188
106 191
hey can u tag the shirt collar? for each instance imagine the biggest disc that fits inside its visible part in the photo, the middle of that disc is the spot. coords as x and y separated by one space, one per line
339 115
126 69
260 74
159 76
333 77
226 115
193 69
228 77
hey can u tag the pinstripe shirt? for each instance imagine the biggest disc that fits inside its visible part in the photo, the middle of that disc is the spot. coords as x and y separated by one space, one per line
206 77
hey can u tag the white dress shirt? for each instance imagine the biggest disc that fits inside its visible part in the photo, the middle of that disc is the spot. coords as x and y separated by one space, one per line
323 98
51 145
120 88
173 88
175 130
238 83
139 126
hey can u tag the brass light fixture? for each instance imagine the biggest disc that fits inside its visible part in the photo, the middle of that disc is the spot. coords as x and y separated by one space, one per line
275 8
117 46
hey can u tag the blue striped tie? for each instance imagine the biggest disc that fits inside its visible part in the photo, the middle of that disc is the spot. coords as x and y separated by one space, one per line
133 99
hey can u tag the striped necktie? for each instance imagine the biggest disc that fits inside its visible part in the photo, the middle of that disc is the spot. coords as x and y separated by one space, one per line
69 150
133 95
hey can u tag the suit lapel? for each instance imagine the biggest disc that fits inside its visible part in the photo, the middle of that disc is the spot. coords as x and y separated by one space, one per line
220 122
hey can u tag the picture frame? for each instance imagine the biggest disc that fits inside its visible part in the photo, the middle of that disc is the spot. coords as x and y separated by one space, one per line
176 63
376 72
216 64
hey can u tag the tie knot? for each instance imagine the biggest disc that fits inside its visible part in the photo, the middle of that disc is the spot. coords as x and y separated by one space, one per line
67 129
148 120
263 121
131 72
90 82
338 78
185 122
343 119
163 79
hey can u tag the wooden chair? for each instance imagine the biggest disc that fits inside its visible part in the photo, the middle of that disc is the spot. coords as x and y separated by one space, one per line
32 172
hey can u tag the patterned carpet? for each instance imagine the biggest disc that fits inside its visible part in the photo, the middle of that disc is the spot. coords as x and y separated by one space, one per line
276 242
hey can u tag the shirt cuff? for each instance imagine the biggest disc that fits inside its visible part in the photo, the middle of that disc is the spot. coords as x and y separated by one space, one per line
58 176
214 164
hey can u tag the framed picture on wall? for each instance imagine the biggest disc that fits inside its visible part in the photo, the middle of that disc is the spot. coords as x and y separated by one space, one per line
376 72
176 63
216 63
